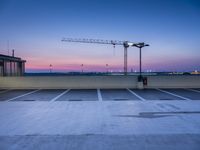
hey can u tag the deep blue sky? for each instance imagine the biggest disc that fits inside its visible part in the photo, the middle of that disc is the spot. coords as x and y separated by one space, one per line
35 27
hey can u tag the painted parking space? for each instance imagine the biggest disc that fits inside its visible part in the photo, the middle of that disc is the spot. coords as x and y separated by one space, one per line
4 90
98 94
185 93
154 94
196 89
12 94
117 95
80 95
42 95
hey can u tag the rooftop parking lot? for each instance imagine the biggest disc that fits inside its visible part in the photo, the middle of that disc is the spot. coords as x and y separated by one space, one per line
99 94
101 119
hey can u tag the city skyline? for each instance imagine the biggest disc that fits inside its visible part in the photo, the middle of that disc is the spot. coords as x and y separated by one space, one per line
35 29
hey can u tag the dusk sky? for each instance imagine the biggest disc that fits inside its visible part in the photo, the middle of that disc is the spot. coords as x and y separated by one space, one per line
34 28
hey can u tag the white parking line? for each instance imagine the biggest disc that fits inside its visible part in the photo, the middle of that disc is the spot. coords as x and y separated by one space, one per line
54 99
99 95
193 90
5 91
23 95
136 95
173 94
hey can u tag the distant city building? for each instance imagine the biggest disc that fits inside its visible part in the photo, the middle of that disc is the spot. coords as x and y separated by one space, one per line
11 66
195 72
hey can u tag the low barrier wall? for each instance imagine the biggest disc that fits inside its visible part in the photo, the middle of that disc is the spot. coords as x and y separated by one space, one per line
88 82
182 81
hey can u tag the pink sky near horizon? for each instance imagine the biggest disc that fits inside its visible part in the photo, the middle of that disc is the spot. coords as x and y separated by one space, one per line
67 66
68 57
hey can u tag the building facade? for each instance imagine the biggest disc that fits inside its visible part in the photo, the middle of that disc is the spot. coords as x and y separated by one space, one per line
11 66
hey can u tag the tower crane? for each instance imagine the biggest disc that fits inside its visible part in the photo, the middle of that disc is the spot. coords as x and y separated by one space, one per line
125 44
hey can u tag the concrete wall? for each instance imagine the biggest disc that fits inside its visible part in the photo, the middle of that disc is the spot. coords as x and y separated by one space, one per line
173 81
77 82
86 82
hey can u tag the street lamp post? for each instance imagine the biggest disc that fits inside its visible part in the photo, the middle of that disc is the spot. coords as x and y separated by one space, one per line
140 62
107 68
82 68
50 68
140 46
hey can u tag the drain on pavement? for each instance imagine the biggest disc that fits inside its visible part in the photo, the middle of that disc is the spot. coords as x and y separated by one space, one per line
75 100
28 100
165 99
120 99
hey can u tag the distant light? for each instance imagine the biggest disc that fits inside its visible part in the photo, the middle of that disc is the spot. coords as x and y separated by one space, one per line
130 44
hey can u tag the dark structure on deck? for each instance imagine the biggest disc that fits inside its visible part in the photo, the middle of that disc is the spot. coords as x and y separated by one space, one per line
11 66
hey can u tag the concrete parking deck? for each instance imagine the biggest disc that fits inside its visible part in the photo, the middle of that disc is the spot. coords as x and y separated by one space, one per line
101 119
93 94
